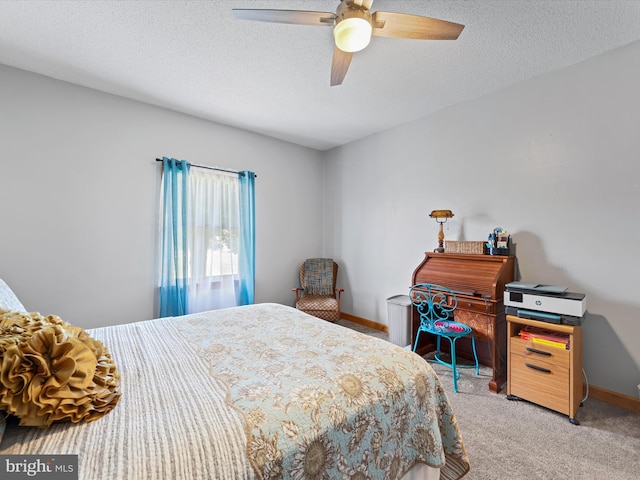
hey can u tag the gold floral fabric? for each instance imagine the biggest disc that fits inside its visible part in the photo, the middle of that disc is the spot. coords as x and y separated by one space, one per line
324 402
52 371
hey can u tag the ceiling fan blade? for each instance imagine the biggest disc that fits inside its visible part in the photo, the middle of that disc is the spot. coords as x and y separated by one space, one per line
296 17
339 66
401 25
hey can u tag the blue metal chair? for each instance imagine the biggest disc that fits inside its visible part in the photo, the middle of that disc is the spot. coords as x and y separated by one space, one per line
436 304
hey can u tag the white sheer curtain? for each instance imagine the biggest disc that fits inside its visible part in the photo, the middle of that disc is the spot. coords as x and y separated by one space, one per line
214 239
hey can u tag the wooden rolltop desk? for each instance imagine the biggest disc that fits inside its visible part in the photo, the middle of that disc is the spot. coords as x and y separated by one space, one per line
479 283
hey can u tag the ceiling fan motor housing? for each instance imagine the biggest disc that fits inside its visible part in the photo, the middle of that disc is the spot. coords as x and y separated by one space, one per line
352 31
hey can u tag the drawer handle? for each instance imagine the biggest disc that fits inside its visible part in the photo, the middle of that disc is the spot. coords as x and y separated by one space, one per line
540 369
539 352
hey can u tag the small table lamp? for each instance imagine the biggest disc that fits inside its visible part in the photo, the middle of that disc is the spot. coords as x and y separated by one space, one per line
441 217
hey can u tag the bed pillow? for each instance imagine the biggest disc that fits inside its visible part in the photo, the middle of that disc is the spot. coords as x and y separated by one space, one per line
8 299
3 424
51 371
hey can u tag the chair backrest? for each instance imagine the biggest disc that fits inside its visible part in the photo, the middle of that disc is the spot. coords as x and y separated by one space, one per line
335 277
433 302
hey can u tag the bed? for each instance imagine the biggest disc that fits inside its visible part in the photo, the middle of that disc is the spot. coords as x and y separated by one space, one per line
259 392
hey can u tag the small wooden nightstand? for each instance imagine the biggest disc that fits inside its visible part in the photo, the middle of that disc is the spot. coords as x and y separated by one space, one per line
542 374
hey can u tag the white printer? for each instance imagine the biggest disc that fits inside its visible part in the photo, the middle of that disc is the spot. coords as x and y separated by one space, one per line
550 303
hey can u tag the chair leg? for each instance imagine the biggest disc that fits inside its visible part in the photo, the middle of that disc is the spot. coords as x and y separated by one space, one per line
453 364
436 355
475 355
415 345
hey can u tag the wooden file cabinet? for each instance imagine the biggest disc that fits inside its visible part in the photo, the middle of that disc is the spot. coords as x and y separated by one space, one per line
546 375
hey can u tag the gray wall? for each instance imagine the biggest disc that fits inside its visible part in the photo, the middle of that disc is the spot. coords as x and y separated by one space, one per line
553 160
79 196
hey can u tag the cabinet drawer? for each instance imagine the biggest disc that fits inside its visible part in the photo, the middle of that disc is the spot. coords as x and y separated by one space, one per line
540 382
537 352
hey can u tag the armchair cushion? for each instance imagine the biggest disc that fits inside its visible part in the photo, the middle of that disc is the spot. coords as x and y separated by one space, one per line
318 276
317 302
327 308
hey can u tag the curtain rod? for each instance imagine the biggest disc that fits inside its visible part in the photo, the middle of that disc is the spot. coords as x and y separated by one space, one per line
210 168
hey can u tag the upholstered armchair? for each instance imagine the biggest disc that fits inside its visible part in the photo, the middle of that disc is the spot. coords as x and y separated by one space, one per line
318 295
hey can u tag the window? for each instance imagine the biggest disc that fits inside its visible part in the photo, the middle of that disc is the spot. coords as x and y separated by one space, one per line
207 239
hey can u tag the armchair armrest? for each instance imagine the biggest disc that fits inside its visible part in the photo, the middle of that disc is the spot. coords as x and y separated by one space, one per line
297 292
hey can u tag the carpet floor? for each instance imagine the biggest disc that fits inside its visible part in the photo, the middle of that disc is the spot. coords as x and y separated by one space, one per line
517 440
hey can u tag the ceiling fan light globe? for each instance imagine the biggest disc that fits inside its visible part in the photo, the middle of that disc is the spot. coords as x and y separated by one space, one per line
352 34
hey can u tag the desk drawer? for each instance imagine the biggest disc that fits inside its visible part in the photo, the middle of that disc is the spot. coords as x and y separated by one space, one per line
476 305
540 382
537 352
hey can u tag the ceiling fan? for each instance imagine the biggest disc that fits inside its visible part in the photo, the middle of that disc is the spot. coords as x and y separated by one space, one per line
354 24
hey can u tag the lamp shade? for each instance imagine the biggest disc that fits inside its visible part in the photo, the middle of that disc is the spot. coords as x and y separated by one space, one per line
352 34
441 215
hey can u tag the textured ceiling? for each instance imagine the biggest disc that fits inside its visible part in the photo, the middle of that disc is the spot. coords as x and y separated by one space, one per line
196 58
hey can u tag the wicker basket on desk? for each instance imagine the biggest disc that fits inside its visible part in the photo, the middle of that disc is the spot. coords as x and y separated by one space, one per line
452 246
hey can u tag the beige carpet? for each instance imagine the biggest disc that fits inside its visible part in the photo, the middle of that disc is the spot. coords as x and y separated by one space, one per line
519 440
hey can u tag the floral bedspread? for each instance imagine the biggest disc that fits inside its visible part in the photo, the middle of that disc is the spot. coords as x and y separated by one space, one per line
324 402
